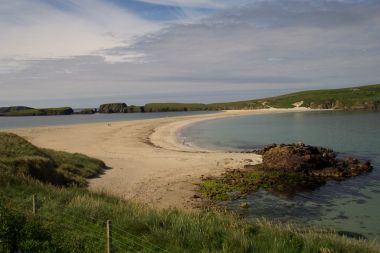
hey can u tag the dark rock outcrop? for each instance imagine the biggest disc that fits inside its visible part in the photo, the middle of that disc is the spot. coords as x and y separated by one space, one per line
113 108
309 160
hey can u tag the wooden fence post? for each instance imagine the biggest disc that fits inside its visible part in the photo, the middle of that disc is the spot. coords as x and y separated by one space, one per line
34 204
109 236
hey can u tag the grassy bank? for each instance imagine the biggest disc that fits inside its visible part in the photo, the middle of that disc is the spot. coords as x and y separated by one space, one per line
19 156
72 219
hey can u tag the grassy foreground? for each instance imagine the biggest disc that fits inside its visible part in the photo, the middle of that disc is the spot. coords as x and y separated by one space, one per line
72 219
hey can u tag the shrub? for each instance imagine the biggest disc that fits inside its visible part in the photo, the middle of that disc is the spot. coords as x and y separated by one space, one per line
19 233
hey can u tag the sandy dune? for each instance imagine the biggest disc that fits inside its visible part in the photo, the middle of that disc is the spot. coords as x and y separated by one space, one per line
148 163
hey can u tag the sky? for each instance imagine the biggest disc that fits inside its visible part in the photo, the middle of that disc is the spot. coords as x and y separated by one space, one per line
81 53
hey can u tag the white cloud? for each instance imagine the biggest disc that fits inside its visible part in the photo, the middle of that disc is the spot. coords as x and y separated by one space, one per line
271 44
37 30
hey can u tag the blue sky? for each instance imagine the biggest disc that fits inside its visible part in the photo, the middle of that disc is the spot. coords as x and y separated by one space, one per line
83 52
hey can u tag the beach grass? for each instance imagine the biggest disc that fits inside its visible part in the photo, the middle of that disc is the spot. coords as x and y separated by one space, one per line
75 220
56 167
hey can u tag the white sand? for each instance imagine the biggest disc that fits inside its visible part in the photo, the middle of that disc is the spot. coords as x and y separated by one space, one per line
148 163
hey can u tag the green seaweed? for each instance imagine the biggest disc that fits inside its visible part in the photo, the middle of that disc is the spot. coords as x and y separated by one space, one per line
246 182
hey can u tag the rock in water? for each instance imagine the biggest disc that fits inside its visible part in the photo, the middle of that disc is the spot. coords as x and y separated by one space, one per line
310 160
296 157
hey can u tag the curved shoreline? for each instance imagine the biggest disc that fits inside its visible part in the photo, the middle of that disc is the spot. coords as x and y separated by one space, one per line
170 131
149 164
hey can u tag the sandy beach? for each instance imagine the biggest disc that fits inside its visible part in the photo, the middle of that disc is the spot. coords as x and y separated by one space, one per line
148 163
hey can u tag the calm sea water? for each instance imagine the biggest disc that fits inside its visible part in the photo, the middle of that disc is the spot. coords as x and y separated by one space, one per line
36 121
351 205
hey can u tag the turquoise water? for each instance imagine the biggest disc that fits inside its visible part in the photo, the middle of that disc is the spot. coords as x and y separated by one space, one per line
350 205
37 121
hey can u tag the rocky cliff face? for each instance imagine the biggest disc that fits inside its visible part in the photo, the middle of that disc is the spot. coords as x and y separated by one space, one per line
113 108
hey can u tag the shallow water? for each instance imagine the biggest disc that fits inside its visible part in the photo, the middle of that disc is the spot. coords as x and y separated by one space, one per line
350 205
37 121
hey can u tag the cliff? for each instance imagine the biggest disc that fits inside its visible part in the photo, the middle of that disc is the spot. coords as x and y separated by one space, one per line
113 108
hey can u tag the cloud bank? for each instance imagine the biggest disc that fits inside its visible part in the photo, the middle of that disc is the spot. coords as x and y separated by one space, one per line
244 48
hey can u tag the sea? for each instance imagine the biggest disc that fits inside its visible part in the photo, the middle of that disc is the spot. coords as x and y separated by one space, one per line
352 205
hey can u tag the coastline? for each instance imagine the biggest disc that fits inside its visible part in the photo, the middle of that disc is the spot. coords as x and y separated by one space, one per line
148 162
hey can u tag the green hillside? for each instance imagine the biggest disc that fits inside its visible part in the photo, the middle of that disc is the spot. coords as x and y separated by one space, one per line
363 98
72 219
357 98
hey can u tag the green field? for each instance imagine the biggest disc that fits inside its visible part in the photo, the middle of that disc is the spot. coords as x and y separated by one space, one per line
72 219
357 98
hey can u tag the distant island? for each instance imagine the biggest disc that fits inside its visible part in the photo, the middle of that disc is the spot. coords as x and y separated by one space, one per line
362 98
28 111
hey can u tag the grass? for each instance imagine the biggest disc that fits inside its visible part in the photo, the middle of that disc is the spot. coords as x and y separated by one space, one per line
75 219
60 168
349 98
357 98
72 219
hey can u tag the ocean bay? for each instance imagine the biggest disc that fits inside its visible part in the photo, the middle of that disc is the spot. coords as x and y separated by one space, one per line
350 205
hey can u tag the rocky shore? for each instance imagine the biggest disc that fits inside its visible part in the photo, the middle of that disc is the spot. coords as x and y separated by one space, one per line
309 160
286 169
